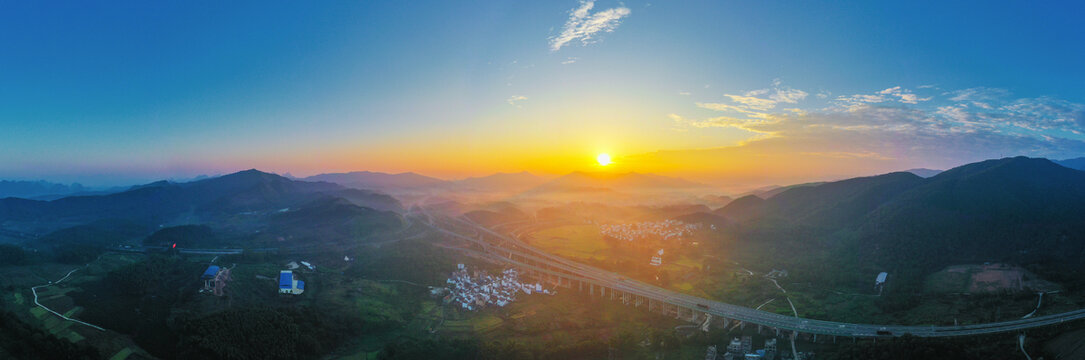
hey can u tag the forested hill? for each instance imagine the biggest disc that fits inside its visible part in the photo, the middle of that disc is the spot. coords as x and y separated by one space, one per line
1021 210
249 191
1017 209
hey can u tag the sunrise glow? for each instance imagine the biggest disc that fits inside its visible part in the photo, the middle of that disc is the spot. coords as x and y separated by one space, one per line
603 159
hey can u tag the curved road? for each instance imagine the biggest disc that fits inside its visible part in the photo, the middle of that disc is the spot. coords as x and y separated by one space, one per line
740 313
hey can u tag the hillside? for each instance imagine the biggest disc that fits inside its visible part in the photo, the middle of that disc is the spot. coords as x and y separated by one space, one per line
924 173
745 207
1019 210
249 192
836 204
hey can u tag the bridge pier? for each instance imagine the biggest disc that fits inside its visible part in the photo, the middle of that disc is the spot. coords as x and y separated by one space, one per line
758 329
591 290
777 332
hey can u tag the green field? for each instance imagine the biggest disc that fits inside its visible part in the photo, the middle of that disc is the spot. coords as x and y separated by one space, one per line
121 355
573 241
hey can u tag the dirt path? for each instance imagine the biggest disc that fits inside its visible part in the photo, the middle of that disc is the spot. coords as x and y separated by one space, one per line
51 283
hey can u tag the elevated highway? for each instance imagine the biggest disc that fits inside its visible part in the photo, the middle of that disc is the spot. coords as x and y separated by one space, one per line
604 283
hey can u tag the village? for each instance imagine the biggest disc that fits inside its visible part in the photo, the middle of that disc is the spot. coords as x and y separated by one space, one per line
475 290
657 230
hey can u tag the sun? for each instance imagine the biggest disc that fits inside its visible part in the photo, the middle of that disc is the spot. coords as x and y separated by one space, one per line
603 159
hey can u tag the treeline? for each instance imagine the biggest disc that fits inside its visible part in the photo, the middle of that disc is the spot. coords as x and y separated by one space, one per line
265 333
409 260
12 255
910 347
139 299
19 340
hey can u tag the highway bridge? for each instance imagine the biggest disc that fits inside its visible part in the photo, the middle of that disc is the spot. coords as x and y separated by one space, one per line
602 283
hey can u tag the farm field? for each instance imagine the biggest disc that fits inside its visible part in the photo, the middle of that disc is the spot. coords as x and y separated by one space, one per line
573 241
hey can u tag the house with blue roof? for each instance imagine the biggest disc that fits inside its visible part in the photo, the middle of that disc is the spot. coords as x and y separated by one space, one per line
290 285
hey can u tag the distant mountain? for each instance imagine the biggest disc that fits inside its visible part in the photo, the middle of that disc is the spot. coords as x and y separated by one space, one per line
1075 163
379 181
705 218
745 207
370 199
331 220
602 181
715 201
501 182
924 173
773 190
246 192
31 189
496 213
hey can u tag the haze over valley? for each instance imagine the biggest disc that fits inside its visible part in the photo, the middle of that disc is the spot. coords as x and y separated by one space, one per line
585 179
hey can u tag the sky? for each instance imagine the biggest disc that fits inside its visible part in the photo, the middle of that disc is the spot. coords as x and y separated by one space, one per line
731 93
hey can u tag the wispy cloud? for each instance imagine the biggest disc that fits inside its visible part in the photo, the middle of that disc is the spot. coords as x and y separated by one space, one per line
515 100
724 107
955 126
584 26
569 60
753 103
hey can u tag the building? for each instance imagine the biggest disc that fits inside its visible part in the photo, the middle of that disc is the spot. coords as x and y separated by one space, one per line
289 285
734 350
747 344
770 349
208 277
711 354
879 282
210 272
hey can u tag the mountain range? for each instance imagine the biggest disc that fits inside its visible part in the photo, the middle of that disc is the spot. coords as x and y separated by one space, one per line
1020 210
224 200
1075 163
31 189
378 180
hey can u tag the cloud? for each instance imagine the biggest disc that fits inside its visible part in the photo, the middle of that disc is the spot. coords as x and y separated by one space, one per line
896 93
754 100
955 128
724 107
788 95
569 60
753 103
904 95
584 26
515 100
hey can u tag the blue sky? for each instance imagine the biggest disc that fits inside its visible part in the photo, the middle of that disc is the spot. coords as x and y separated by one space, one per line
135 91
